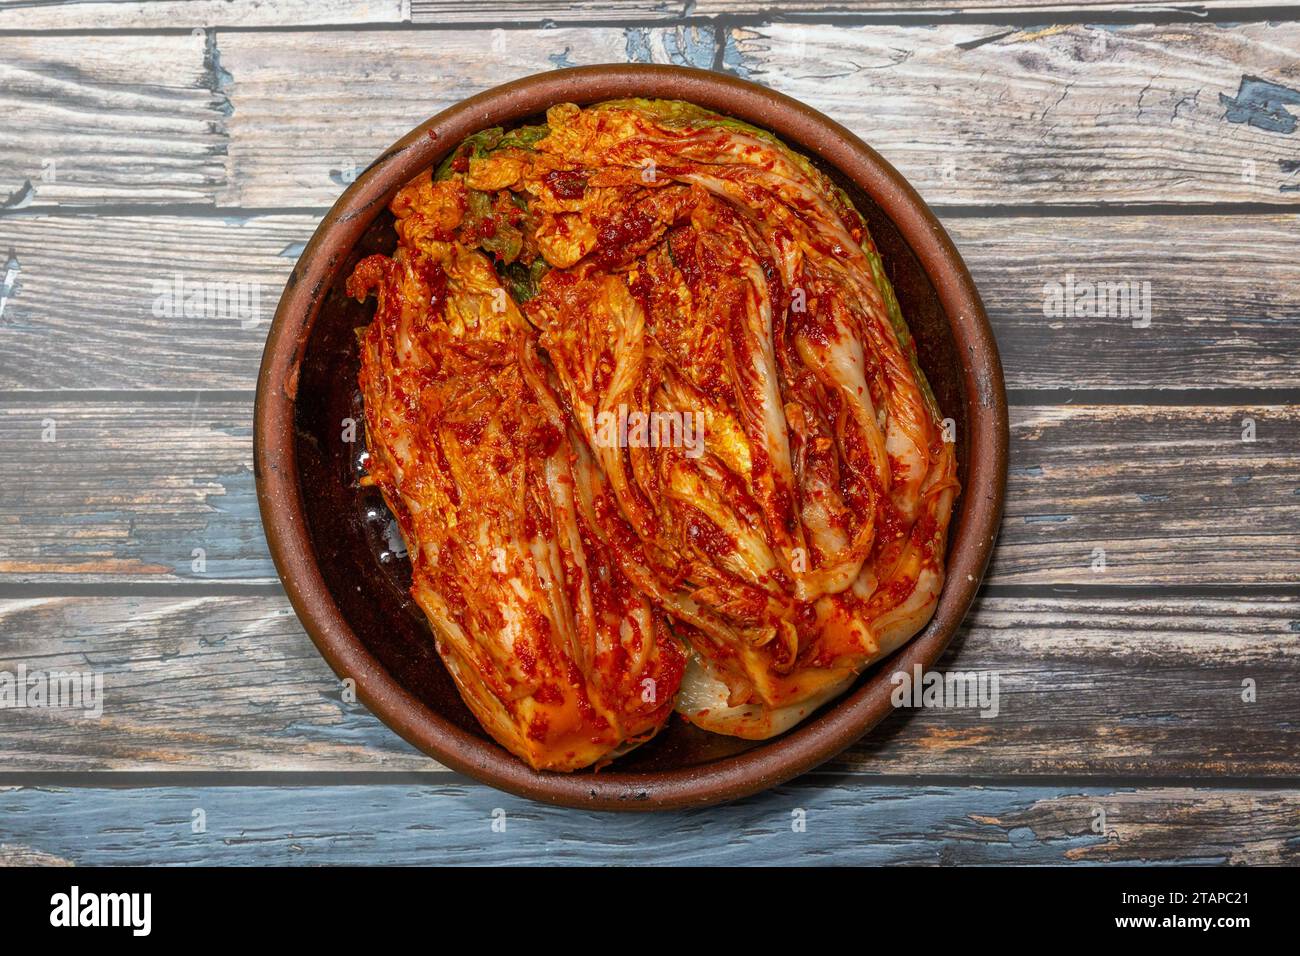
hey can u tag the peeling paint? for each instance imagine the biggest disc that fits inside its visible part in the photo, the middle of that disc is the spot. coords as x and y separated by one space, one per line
219 79
1262 104
562 60
9 283
691 46
20 197
733 60
637 45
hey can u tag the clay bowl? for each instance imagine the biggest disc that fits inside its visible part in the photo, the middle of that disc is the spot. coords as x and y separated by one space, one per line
334 548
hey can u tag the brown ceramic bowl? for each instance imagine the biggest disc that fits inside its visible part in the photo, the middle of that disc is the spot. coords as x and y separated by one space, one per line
329 539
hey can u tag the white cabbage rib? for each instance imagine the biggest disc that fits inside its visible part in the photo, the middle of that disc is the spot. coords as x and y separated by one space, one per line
811 590
680 264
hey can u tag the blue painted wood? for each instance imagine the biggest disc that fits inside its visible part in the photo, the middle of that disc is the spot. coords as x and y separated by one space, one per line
191 687
217 683
846 821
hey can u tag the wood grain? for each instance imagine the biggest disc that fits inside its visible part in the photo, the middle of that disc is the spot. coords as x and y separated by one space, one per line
1170 495
833 9
22 856
156 14
1092 687
128 492
1070 114
843 824
371 90
974 113
189 683
560 11
88 15
1173 495
151 498
128 119
81 315
90 314
1224 297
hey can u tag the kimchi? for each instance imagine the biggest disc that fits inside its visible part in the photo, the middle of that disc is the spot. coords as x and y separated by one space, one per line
652 425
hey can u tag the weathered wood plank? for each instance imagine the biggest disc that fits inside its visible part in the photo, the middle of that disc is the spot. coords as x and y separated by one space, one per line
131 119
1071 114
1149 495
134 119
842 823
1074 114
197 683
160 14
1094 686
1224 299
832 9
128 493
973 113
1223 294
373 89
1171 495
1086 686
23 856
86 306
87 15
560 11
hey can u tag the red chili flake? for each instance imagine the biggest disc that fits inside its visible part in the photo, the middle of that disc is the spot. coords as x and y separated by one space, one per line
613 236
435 279
566 184
538 727
548 694
545 439
708 537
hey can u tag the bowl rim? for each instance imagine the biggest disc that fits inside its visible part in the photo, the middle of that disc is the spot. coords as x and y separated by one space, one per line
820 738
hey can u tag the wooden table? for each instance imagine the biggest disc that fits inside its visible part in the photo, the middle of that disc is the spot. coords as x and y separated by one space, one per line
1143 606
